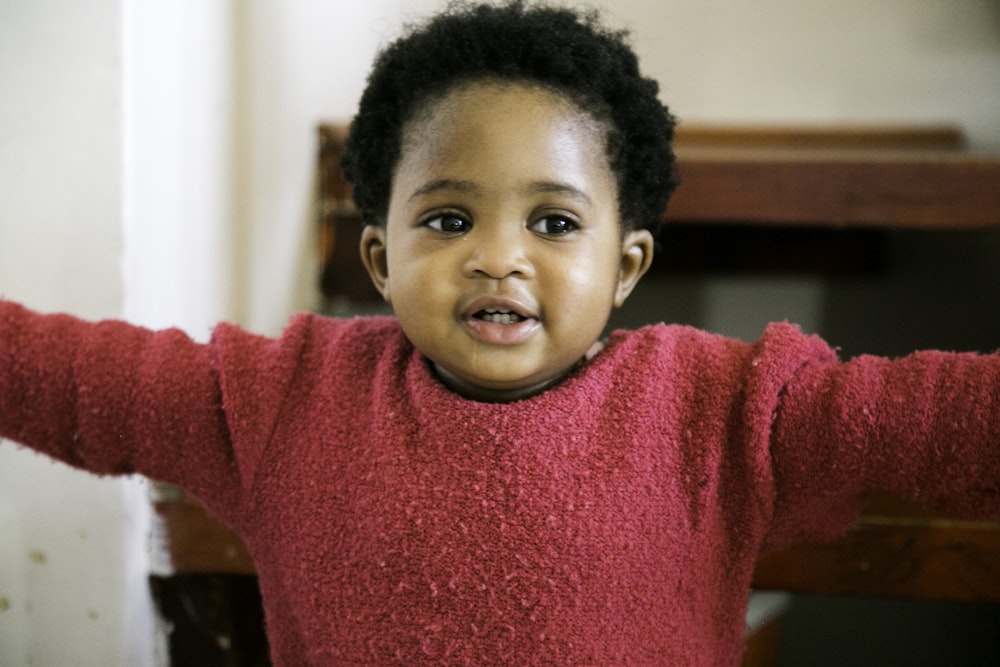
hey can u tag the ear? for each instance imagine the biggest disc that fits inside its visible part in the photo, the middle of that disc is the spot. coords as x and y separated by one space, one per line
373 255
637 255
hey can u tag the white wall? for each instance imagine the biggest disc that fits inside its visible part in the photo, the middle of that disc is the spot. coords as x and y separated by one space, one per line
71 567
115 173
181 235
853 61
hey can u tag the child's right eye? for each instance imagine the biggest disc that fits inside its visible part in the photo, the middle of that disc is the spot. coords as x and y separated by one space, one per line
449 224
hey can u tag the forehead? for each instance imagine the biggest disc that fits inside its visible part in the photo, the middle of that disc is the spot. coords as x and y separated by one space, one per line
528 98
508 126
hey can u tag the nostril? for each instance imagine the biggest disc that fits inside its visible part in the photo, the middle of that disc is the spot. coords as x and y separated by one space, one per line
497 267
499 256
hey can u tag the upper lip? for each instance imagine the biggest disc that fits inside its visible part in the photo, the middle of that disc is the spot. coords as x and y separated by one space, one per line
499 304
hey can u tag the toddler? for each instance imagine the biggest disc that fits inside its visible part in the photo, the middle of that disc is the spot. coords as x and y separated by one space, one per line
480 480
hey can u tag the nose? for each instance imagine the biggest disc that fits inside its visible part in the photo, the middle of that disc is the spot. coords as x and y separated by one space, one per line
498 252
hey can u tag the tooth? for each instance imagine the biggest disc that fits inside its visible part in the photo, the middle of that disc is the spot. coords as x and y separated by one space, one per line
499 316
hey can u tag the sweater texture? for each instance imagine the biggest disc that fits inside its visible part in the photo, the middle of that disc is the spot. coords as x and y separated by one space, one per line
613 520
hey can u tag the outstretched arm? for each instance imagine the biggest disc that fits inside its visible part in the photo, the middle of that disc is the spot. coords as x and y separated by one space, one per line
925 427
112 398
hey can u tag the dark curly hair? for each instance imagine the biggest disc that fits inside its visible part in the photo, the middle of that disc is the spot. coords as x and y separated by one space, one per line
560 49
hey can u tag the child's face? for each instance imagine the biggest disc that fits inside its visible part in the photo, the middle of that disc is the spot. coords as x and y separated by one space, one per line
503 253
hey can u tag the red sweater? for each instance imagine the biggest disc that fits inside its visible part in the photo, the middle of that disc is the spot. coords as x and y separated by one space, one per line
613 520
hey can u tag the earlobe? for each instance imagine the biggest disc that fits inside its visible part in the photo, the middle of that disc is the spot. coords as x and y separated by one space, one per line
637 256
373 255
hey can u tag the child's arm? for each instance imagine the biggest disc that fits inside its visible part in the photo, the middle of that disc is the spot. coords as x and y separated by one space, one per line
112 398
925 427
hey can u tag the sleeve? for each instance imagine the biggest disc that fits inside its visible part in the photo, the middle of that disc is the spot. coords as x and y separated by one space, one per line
112 398
925 427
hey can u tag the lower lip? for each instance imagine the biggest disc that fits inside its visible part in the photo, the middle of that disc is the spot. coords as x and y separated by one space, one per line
502 334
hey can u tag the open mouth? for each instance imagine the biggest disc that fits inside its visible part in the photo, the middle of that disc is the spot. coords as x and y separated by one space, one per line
501 321
498 316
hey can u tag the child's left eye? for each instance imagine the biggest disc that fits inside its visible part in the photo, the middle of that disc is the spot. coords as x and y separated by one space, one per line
553 225
448 223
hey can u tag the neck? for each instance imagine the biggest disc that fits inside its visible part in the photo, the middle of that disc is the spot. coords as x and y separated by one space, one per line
476 392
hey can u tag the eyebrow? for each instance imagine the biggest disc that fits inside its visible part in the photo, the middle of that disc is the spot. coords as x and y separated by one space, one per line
458 185
445 184
559 188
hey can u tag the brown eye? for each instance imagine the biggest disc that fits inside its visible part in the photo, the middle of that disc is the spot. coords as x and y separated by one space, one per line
449 224
554 225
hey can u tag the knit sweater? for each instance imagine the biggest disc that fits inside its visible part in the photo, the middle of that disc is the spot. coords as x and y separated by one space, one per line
612 520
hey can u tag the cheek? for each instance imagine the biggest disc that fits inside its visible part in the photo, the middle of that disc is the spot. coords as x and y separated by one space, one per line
592 277
420 284
401 262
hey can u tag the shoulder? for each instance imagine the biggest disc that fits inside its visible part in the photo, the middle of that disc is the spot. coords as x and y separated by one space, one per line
312 330
681 355
309 341
779 339
358 336
672 342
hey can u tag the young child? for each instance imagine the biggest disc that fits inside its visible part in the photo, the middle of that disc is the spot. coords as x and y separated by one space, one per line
479 481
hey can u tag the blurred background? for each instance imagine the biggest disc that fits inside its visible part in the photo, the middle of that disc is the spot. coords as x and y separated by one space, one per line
157 164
